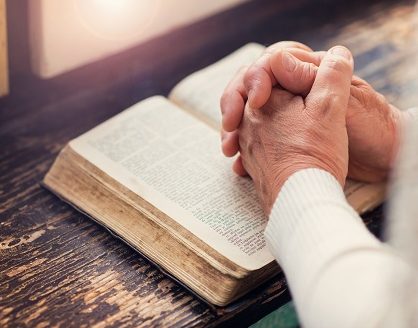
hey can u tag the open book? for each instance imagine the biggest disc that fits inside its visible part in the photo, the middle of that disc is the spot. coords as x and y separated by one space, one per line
155 176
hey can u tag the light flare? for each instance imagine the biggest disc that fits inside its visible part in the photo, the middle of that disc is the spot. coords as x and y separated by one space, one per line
116 19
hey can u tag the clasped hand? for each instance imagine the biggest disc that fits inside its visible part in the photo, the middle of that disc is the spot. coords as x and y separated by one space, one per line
294 109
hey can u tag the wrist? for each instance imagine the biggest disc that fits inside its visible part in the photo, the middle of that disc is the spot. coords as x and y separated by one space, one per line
284 173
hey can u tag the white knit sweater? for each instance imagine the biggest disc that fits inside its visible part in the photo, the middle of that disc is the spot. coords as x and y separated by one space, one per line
339 274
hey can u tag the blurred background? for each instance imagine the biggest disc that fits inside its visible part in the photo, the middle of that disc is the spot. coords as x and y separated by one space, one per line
47 38
69 33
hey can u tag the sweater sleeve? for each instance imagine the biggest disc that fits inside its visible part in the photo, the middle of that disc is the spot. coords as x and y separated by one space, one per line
339 274
413 113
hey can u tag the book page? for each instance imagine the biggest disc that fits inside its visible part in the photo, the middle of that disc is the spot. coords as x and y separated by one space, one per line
174 161
201 91
364 197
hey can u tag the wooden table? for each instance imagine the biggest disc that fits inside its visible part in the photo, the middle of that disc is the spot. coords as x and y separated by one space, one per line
57 267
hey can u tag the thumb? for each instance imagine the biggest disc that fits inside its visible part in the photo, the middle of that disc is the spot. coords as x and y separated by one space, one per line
331 88
295 74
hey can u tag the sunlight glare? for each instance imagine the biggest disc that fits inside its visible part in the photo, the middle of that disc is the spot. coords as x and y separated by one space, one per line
116 19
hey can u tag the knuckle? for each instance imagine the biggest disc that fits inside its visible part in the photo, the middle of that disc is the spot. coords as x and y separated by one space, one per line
306 72
325 94
278 99
275 102
381 98
241 71
324 101
257 72
235 85
224 99
311 70
286 45
252 77
248 75
336 63
250 149
242 142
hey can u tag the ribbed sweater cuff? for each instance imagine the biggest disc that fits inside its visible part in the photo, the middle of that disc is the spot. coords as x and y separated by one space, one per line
311 223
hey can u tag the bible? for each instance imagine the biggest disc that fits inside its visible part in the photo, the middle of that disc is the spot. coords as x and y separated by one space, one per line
154 175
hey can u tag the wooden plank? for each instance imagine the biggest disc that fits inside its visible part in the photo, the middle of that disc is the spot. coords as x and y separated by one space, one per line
4 66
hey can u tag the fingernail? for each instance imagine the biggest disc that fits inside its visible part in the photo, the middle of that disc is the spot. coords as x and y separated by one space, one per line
289 62
341 51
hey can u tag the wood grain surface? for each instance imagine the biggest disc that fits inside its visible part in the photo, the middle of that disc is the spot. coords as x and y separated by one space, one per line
57 267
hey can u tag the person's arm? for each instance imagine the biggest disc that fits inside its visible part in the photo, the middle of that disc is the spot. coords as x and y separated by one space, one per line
295 148
339 274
